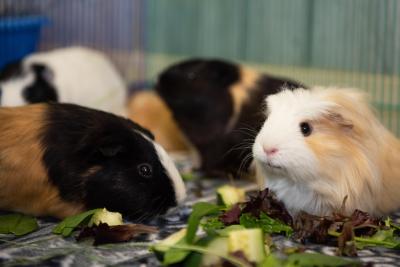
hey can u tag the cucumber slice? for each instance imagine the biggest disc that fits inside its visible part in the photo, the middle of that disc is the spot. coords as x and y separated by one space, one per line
229 195
105 216
161 247
217 244
250 242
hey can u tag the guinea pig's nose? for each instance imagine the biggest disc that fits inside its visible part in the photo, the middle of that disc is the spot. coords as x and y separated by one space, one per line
270 151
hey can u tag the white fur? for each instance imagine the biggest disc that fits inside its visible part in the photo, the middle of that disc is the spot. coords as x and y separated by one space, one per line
297 174
80 75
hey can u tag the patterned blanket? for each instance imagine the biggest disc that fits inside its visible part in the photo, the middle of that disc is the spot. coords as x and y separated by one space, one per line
42 248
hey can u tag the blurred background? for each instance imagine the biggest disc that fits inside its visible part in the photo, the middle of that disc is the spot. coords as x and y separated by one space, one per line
326 42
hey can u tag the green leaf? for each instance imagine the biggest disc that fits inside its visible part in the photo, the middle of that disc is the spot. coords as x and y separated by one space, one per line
212 225
188 176
271 261
200 210
384 238
175 255
390 223
317 259
68 225
266 223
17 224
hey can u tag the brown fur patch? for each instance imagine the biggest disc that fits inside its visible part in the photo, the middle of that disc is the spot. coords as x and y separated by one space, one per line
24 185
357 154
147 109
240 93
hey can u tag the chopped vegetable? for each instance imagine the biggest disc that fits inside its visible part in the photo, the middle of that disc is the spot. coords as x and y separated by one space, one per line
172 239
228 195
248 241
105 216
17 224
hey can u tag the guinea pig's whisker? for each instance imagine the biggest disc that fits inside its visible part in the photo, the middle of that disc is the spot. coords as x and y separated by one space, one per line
248 131
244 162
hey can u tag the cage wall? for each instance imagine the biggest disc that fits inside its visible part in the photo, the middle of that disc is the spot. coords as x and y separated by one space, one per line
114 27
328 42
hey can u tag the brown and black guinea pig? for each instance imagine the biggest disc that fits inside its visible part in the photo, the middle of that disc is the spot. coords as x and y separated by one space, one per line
61 159
146 108
218 107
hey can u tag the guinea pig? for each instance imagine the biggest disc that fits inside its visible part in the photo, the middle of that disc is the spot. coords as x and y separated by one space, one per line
146 108
61 159
216 105
319 146
75 75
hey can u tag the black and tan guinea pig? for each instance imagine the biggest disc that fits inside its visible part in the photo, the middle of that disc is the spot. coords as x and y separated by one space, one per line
61 159
217 104
146 108
318 146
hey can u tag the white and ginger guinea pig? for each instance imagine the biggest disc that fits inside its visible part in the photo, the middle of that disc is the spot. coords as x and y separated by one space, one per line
61 159
318 146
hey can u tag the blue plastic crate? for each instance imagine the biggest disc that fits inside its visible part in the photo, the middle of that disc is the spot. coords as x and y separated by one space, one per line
19 36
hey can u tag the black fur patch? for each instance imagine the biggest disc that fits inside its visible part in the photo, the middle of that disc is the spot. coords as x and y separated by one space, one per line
11 70
41 90
93 158
198 93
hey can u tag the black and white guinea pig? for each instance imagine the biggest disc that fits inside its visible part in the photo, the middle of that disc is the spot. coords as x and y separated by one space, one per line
61 159
318 146
217 106
75 75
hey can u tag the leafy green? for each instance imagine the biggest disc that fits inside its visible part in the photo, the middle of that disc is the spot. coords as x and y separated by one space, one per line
266 223
271 261
68 225
317 259
175 255
17 224
390 223
211 225
200 210
384 238
308 260
189 176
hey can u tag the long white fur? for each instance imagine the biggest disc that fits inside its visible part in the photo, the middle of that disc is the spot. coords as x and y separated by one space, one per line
80 75
299 181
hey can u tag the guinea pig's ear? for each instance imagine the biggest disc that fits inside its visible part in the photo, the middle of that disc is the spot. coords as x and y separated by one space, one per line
340 120
42 72
110 150
141 129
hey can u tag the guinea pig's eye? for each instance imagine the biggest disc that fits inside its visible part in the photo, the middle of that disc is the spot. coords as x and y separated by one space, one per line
305 128
145 170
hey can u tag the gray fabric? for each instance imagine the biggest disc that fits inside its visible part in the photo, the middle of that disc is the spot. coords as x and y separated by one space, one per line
42 248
